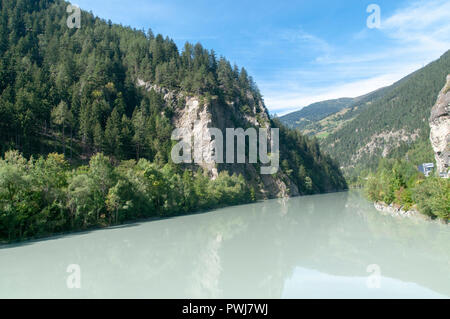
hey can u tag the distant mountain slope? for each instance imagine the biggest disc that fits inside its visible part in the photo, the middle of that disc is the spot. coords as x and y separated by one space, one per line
315 112
323 128
323 118
393 122
330 124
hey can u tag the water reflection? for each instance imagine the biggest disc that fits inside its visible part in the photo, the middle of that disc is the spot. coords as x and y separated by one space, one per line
316 246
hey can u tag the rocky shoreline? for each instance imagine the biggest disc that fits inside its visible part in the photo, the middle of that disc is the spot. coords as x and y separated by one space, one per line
396 210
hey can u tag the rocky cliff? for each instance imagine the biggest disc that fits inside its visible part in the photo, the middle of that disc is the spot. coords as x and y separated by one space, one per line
196 114
440 128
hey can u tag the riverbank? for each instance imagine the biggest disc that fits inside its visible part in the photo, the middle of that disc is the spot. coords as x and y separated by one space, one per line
396 210
400 183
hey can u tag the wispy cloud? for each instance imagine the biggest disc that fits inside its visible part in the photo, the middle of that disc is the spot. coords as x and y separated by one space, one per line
424 24
282 102
302 39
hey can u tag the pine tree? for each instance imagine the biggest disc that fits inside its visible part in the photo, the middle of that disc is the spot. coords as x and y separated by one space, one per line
98 137
139 121
113 138
63 117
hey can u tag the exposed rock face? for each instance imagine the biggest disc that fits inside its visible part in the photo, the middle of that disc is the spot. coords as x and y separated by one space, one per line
440 128
196 114
386 141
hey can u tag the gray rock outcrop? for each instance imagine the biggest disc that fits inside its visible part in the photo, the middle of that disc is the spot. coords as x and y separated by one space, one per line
440 129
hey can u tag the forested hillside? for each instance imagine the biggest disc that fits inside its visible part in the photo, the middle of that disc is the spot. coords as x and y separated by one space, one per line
59 83
75 92
323 118
315 112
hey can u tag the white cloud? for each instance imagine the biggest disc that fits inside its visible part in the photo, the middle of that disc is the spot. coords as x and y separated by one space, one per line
305 96
303 39
419 16
422 24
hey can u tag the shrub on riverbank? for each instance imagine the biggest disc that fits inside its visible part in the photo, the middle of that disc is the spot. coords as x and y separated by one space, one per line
46 196
399 182
432 196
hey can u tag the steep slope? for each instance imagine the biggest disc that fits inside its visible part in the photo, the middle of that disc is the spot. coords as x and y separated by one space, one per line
315 112
323 118
323 128
393 123
112 89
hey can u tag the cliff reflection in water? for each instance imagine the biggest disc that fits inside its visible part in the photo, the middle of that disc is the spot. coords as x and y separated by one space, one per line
315 246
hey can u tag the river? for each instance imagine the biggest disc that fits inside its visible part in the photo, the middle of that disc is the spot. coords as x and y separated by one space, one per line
324 246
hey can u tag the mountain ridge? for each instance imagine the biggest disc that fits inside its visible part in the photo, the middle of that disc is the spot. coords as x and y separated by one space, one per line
314 112
309 119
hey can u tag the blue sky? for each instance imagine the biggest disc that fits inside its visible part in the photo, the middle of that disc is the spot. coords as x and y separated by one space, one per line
299 52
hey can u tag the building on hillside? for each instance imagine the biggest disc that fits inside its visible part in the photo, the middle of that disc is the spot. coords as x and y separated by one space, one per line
426 168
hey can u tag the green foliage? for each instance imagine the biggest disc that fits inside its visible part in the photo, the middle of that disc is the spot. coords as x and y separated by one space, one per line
315 112
432 196
45 196
399 182
419 153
